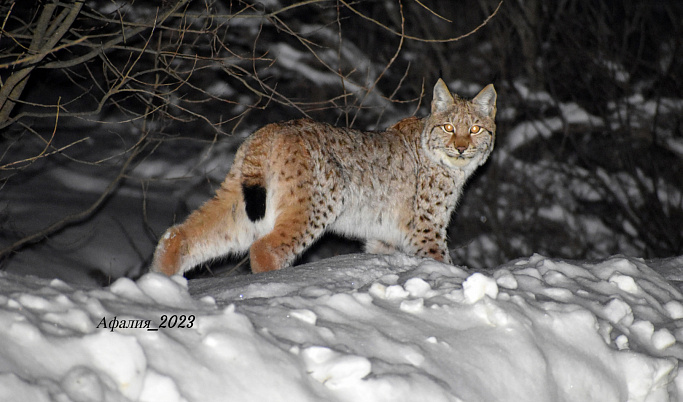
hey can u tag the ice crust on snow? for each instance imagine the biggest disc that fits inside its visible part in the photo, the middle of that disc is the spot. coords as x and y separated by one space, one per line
351 328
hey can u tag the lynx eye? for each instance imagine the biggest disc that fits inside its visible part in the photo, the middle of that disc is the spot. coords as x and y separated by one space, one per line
475 129
449 128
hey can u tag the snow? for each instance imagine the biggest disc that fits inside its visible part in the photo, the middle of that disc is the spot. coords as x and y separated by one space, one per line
351 328
571 113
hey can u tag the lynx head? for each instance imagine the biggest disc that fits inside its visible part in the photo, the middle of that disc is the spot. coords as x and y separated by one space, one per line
459 133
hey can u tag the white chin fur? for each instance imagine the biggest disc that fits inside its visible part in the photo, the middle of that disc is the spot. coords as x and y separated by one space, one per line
453 161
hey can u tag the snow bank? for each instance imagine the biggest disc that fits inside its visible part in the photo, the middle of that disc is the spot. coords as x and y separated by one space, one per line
352 328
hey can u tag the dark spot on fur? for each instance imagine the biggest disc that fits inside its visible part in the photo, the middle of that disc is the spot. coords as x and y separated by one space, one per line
254 202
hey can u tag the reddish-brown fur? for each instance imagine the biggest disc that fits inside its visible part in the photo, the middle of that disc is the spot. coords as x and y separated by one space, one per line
395 189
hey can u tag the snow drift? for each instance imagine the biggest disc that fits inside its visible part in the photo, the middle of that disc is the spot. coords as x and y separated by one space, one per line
352 328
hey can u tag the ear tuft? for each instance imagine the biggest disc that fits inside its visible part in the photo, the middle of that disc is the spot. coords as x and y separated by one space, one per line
485 101
442 97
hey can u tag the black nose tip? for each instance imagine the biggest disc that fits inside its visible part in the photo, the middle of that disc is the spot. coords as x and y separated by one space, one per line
461 150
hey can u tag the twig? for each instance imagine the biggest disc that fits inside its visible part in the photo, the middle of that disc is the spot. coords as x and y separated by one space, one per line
39 56
48 144
74 218
386 67
433 12
416 38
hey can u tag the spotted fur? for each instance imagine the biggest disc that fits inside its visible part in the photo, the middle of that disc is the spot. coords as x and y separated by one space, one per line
293 181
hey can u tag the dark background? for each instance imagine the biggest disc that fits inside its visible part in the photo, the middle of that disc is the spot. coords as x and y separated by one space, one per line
117 120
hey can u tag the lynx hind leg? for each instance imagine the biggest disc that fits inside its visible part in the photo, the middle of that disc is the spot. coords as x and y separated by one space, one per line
219 227
169 252
302 211
301 220
284 243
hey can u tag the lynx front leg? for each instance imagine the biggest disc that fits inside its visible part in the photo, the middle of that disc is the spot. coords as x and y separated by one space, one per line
379 247
430 242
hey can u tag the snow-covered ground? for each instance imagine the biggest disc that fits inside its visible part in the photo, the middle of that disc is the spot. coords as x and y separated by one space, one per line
351 328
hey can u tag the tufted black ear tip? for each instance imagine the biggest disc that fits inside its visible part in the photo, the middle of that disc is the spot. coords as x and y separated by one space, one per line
442 97
485 101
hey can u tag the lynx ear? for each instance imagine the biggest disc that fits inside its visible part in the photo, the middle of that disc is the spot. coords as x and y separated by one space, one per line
442 97
485 101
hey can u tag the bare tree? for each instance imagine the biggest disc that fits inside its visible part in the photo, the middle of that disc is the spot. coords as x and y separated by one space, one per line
193 71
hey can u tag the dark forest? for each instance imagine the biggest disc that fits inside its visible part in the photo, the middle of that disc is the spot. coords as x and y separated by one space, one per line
119 118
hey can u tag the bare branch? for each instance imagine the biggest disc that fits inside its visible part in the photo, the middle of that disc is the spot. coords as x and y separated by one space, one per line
415 38
74 218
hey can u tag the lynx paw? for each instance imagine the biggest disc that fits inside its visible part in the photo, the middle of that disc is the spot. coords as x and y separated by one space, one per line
169 252
263 257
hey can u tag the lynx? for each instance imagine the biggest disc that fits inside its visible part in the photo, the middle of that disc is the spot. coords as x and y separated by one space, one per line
291 182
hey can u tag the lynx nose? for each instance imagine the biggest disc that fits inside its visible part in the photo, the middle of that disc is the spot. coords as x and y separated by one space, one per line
460 144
